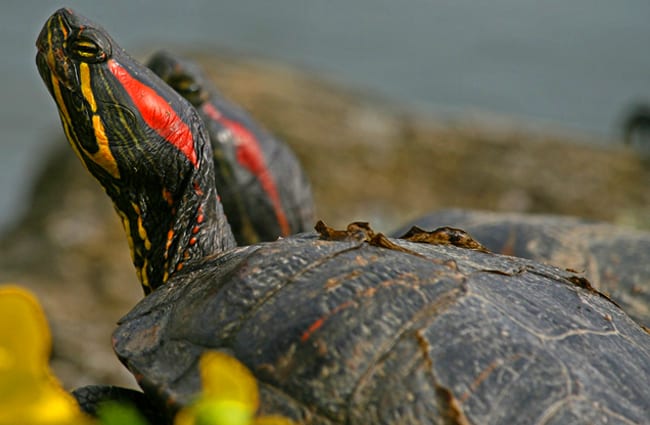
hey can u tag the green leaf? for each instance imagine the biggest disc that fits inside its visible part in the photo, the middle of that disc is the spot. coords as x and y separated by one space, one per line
115 413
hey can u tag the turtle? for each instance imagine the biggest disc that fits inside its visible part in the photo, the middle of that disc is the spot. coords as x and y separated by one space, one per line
337 326
636 124
615 259
263 189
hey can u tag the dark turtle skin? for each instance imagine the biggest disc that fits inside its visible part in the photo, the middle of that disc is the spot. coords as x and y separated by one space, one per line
91 397
338 327
263 188
616 260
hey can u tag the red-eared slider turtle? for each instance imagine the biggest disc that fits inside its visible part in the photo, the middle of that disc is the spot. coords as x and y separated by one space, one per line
339 327
613 258
263 189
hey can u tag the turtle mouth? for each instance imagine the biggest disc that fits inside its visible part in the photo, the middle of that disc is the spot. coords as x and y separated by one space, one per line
52 61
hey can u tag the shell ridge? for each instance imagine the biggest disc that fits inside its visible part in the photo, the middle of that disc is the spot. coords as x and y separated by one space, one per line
287 282
420 319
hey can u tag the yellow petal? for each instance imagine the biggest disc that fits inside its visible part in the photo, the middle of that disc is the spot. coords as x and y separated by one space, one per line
29 393
224 378
52 406
24 335
272 420
185 416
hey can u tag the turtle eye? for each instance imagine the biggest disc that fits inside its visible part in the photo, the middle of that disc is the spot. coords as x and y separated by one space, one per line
185 85
89 46
188 88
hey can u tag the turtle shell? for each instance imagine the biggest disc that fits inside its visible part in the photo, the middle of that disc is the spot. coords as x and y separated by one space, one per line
615 259
344 329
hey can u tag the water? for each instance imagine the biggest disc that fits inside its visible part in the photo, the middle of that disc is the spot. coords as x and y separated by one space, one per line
574 65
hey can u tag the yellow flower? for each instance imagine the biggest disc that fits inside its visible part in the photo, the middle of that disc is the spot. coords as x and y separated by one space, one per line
31 395
229 395
29 392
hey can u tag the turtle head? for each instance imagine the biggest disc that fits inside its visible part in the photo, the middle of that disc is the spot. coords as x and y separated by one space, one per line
122 121
140 139
185 76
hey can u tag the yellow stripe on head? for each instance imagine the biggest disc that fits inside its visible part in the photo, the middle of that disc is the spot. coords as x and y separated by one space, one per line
64 114
86 88
59 99
103 157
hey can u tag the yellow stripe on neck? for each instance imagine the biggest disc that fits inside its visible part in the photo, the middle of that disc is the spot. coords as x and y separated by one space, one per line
142 232
140 271
103 156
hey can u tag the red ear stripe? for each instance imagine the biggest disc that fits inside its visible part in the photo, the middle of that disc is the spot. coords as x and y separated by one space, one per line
250 156
156 112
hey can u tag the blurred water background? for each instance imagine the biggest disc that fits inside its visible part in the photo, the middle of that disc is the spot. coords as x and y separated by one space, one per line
566 65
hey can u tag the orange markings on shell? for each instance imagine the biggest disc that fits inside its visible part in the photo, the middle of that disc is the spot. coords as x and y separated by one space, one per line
312 328
321 320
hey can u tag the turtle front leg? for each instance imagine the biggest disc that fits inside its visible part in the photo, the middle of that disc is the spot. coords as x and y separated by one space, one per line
91 398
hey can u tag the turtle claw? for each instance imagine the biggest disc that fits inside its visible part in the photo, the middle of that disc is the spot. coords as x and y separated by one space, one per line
361 231
443 236
358 230
92 398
